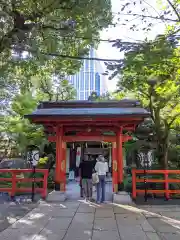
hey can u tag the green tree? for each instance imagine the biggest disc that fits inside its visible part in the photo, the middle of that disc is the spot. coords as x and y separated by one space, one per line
19 129
45 38
152 73
54 89
141 18
51 26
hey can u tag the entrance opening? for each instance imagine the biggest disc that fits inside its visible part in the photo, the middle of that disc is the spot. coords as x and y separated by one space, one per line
75 152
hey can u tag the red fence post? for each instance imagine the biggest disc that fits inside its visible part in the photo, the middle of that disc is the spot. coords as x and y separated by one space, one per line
13 190
166 184
45 182
134 184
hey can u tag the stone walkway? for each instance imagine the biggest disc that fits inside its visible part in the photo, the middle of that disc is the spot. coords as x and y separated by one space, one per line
11 212
78 220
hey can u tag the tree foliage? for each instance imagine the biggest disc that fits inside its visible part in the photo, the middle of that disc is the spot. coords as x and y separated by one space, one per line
15 127
39 40
141 19
152 73
50 26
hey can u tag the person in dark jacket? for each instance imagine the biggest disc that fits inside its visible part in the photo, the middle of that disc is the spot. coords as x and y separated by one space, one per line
86 169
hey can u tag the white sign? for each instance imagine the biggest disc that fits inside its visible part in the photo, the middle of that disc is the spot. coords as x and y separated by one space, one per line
146 160
71 175
35 157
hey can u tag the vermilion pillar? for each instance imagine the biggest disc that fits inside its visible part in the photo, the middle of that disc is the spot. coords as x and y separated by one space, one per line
114 167
60 171
63 168
120 156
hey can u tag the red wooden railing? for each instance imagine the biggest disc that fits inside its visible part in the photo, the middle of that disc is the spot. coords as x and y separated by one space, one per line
14 179
166 182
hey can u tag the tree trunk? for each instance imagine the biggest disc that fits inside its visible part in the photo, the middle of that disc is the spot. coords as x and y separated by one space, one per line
162 150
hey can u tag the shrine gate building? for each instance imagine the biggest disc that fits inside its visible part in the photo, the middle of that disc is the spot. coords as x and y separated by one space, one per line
83 121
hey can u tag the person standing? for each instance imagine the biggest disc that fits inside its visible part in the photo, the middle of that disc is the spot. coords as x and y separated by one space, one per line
101 168
86 170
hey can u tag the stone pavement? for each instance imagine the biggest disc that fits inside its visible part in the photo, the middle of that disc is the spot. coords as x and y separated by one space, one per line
11 212
79 220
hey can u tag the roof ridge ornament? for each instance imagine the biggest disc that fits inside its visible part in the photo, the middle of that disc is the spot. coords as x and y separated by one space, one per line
93 97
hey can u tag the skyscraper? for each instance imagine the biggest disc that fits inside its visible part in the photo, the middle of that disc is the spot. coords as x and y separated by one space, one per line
89 78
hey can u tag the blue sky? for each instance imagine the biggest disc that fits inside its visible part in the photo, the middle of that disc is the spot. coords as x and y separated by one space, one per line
105 50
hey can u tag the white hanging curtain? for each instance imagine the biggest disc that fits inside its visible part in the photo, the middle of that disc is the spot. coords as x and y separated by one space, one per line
78 156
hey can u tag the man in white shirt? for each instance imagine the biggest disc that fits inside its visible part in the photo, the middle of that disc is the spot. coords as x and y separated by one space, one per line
101 168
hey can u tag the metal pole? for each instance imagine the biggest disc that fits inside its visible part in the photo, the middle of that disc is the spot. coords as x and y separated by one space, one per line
145 178
33 183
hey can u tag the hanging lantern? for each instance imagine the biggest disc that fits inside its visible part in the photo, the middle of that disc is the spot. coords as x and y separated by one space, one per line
73 145
102 144
86 145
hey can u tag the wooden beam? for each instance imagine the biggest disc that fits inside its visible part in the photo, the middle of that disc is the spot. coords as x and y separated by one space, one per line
126 138
77 120
89 138
52 138
92 128
86 137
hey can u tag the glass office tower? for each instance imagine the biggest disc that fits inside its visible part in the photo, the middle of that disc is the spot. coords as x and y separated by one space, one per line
89 78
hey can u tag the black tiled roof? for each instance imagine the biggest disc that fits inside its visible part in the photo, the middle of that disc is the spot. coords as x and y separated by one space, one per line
124 103
89 112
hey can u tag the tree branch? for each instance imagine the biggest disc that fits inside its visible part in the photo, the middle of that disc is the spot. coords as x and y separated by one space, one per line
174 9
45 89
173 119
152 17
65 56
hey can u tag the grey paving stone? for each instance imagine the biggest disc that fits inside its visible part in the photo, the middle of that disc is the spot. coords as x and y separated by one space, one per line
170 236
46 210
107 205
151 214
15 234
147 227
9 213
166 229
48 235
120 210
67 205
153 236
84 217
86 209
132 219
78 234
162 226
105 235
174 215
135 233
104 213
129 228
81 225
62 212
105 224
26 223
55 225
4 223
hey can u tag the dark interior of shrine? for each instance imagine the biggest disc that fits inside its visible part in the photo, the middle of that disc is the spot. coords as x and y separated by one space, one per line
74 149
